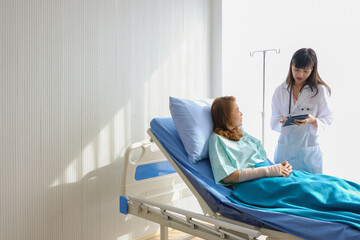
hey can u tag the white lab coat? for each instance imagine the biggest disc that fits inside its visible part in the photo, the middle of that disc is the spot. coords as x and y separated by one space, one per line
299 144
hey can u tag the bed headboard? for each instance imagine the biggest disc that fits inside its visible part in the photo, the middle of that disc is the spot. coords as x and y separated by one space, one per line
147 173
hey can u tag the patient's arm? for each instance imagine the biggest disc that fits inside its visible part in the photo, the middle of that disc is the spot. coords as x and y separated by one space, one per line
246 174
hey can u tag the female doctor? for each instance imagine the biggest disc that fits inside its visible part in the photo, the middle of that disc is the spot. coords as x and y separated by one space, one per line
303 92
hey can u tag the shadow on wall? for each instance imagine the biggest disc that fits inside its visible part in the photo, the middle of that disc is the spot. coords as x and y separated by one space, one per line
98 199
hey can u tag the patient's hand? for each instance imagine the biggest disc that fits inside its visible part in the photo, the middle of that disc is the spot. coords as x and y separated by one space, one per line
285 169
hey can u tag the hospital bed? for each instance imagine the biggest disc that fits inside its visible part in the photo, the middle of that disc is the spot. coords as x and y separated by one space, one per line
221 219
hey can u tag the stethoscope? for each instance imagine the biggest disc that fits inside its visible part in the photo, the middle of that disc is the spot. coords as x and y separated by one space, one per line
290 100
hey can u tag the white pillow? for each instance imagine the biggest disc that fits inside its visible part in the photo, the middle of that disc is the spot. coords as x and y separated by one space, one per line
194 124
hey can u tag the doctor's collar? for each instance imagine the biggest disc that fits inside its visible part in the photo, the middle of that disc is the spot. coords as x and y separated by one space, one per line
306 86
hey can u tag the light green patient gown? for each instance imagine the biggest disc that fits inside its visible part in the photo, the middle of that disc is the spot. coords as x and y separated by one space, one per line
227 156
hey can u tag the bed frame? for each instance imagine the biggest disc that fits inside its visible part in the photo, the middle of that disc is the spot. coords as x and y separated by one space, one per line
210 225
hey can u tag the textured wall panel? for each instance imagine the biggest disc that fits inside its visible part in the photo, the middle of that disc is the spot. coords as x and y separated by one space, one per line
80 81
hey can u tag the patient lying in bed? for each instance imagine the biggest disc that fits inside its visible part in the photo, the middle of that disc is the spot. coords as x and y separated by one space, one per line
239 160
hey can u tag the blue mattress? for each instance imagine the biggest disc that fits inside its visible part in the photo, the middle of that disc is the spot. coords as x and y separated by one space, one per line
200 175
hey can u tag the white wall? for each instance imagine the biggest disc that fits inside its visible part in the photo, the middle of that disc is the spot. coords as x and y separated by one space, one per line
79 82
330 27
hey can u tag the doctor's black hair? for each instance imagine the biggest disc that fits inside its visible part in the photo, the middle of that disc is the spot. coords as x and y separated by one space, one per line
306 58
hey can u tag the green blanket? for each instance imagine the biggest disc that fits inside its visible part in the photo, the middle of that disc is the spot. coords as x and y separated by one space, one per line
314 196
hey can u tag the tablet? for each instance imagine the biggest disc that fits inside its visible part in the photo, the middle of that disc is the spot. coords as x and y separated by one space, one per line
290 119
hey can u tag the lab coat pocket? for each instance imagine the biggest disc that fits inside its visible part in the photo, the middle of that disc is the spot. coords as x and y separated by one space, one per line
311 159
280 153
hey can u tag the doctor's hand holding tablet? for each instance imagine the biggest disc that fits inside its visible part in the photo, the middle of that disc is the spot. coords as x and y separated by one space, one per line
299 112
298 120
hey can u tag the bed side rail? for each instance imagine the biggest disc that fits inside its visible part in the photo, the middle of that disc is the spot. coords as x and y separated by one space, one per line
185 221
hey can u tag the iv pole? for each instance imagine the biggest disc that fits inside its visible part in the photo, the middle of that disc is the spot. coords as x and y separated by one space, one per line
263 97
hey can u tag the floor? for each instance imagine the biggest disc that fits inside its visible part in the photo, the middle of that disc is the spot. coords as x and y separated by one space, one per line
175 235
178 235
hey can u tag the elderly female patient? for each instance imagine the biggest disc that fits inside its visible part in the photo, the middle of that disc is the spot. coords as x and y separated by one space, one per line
239 160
